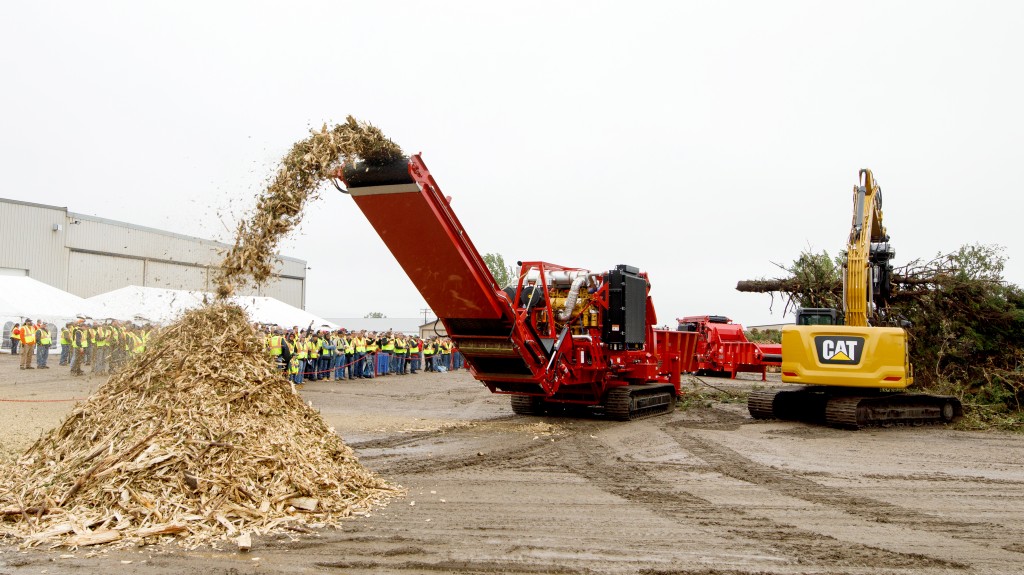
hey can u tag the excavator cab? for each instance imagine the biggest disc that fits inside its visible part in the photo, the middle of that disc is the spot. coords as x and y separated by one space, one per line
818 316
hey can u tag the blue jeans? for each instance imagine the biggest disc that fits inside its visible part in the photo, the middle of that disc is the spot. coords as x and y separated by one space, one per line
65 353
42 354
324 367
383 362
339 367
357 366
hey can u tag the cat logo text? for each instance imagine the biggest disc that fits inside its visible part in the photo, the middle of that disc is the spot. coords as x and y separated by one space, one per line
841 350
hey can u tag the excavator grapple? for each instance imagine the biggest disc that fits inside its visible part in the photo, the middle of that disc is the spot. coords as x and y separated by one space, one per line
560 337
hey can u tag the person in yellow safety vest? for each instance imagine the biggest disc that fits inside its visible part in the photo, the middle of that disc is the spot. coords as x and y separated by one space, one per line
401 354
102 351
350 354
323 366
444 348
43 342
390 362
276 344
312 355
414 354
117 346
338 357
301 352
359 357
371 355
78 343
28 344
294 365
65 345
428 356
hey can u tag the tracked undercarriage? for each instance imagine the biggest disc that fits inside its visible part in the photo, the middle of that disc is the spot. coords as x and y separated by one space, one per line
624 403
853 408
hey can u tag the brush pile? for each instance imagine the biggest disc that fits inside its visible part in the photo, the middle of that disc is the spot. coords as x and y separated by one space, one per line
201 437
279 208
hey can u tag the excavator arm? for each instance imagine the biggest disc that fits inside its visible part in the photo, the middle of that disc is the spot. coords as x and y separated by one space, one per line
867 272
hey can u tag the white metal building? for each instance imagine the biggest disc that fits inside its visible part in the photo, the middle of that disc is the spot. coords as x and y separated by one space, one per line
87 255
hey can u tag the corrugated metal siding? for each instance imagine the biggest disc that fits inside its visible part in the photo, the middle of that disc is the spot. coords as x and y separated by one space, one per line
106 237
93 274
175 276
91 255
290 291
28 241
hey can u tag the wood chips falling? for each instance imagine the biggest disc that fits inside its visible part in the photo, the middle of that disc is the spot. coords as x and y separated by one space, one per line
201 437
279 209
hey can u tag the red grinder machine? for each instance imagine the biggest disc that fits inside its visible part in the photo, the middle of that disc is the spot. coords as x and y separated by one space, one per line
561 337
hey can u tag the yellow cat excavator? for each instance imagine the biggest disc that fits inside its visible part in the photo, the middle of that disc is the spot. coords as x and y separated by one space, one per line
853 373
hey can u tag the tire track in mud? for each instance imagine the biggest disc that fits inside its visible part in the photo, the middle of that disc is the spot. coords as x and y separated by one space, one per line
616 474
731 463
463 567
507 456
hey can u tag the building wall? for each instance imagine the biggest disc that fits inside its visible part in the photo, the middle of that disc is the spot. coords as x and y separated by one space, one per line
87 255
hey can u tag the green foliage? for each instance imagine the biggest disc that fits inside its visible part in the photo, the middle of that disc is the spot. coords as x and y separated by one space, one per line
817 275
375 314
967 337
505 275
763 335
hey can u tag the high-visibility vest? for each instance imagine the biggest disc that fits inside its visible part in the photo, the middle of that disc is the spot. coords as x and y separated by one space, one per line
101 337
389 345
300 349
275 345
16 333
136 343
313 348
349 346
85 337
28 336
371 347
44 337
293 365
414 346
360 343
428 349
65 336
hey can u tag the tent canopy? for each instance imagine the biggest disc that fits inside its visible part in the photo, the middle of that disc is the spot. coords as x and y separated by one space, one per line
161 305
23 297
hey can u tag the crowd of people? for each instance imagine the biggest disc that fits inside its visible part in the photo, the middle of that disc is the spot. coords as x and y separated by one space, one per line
314 355
101 346
302 355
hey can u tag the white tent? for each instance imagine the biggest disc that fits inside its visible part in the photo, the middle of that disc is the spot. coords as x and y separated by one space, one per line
23 297
274 311
145 304
161 305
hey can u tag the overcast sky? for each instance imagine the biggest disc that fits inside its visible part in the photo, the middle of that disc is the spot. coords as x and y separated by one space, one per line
697 141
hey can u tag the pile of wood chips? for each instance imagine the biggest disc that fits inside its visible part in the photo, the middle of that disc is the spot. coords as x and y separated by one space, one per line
279 208
201 437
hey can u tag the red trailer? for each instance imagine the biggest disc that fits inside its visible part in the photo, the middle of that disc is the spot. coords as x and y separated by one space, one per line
560 336
723 350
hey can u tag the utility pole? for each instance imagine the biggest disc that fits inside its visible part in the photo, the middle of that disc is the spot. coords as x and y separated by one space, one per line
425 311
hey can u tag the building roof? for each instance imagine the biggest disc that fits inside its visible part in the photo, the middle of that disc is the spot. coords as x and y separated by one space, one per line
405 325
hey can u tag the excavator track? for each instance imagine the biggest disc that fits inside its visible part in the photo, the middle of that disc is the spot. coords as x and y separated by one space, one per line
629 402
837 408
854 412
791 403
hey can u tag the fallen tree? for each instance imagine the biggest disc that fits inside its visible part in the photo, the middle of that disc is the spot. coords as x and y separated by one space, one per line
965 322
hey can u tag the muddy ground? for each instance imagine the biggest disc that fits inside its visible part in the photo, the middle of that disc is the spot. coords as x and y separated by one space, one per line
704 490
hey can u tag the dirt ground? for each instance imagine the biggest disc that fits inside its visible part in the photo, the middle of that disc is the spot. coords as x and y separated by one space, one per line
704 490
